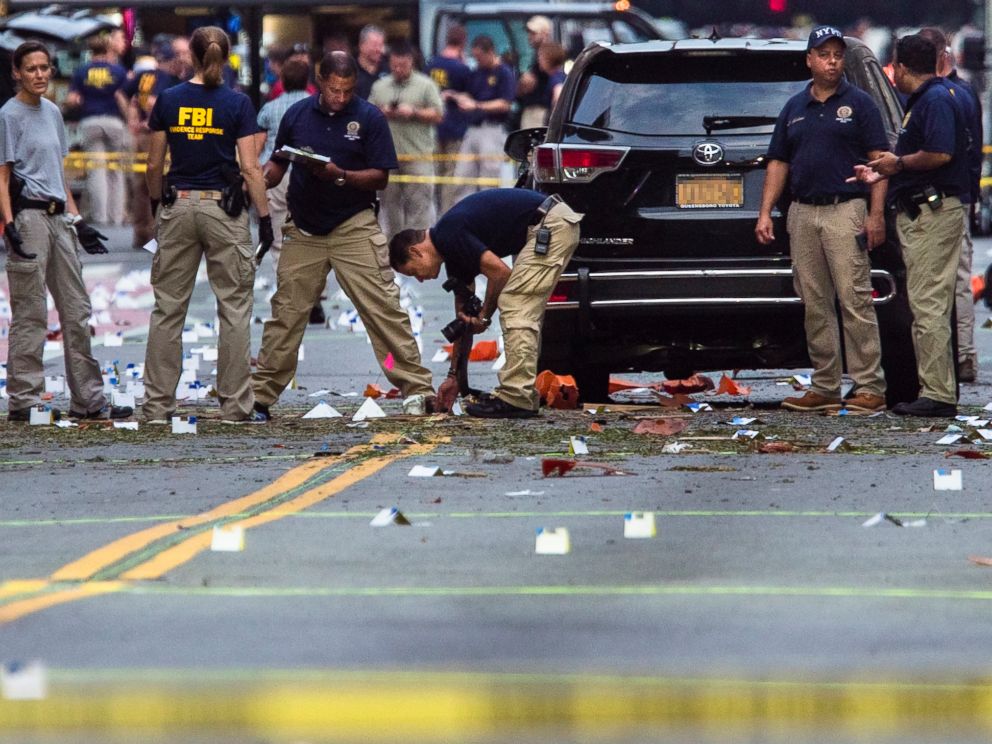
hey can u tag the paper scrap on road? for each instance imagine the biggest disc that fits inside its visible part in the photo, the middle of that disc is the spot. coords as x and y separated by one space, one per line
369 409
126 425
24 681
697 407
227 539
425 471
577 446
674 448
835 444
525 492
745 434
950 439
638 525
801 380
553 541
441 355
388 517
322 410
741 420
151 246
947 480
320 392
66 424
884 517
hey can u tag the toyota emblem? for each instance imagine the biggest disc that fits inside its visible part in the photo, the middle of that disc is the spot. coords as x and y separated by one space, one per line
707 153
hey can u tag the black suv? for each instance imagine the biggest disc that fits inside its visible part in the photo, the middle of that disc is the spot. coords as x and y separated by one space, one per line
662 145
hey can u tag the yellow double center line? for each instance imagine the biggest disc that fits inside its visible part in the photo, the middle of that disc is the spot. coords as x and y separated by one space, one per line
153 552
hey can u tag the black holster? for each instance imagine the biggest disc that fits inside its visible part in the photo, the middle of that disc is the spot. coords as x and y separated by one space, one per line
169 193
15 188
232 199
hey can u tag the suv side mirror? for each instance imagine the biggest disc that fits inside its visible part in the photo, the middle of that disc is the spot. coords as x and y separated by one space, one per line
520 143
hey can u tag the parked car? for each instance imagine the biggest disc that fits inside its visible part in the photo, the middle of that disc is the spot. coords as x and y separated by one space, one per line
662 145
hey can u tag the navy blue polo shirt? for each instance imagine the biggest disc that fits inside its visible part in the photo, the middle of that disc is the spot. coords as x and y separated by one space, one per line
97 83
450 74
967 101
822 141
355 138
202 126
145 86
495 220
491 85
933 122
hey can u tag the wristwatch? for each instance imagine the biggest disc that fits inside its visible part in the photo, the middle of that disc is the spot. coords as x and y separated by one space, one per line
340 180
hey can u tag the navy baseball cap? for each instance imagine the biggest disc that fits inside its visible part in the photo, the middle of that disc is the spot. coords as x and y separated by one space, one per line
822 34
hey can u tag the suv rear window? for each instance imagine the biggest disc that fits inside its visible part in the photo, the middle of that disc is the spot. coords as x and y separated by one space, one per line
661 95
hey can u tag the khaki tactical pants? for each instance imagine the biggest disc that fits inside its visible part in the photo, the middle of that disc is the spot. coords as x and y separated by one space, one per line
446 192
406 205
964 301
523 301
356 251
827 264
188 230
104 185
481 143
930 247
56 266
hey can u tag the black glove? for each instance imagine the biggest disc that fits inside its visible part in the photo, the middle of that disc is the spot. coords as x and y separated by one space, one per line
90 238
265 238
15 241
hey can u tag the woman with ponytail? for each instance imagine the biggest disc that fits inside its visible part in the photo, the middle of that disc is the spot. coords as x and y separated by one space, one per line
208 130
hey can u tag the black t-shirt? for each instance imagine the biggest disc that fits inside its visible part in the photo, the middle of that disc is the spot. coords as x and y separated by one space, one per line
203 126
494 220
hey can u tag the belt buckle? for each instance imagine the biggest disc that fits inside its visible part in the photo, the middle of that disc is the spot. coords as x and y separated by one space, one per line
51 206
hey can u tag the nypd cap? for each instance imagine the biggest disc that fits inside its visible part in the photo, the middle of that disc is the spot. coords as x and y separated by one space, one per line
823 34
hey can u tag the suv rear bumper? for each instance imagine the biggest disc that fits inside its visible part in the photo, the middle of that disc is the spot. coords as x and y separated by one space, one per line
586 290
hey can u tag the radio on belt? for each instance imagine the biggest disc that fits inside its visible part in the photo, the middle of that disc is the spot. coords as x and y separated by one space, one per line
542 240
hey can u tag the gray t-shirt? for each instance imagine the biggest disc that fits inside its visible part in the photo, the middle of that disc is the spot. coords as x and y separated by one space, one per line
32 138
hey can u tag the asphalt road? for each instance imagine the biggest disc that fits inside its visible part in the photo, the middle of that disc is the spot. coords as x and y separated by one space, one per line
762 611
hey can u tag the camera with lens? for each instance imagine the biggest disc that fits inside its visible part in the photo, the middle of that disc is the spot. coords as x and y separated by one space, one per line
471 306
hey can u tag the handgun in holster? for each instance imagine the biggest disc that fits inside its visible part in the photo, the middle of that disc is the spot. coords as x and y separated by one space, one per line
232 199
169 193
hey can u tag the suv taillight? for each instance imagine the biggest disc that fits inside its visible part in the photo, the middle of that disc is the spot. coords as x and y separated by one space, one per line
574 163
545 167
583 164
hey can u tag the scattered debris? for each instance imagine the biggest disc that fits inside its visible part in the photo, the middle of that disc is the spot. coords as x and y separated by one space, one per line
980 560
557 391
184 426
674 448
695 384
728 386
968 454
836 444
322 410
577 446
368 409
883 517
425 471
525 492
768 448
665 427
560 467
484 351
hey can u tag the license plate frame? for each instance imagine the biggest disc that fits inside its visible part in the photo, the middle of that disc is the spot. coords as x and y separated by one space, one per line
725 190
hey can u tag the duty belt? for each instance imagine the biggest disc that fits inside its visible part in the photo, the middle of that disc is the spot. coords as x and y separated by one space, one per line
546 206
910 203
51 206
186 194
827 199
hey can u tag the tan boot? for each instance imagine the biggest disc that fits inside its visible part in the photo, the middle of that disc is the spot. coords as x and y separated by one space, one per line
867 402
812 402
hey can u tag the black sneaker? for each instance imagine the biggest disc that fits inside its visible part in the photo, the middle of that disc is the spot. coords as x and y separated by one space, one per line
261 413
23 415
497 408
106 413
317 316
925 407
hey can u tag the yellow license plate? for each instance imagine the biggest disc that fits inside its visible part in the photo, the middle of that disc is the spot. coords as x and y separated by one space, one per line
698 192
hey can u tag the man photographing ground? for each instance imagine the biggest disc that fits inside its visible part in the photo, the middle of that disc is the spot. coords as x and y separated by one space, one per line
541 233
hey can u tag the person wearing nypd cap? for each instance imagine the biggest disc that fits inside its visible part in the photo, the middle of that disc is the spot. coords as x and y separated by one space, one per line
332 227
44 231
821 133
928 175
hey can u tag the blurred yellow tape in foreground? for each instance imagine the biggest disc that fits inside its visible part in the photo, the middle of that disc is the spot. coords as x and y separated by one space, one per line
428 706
